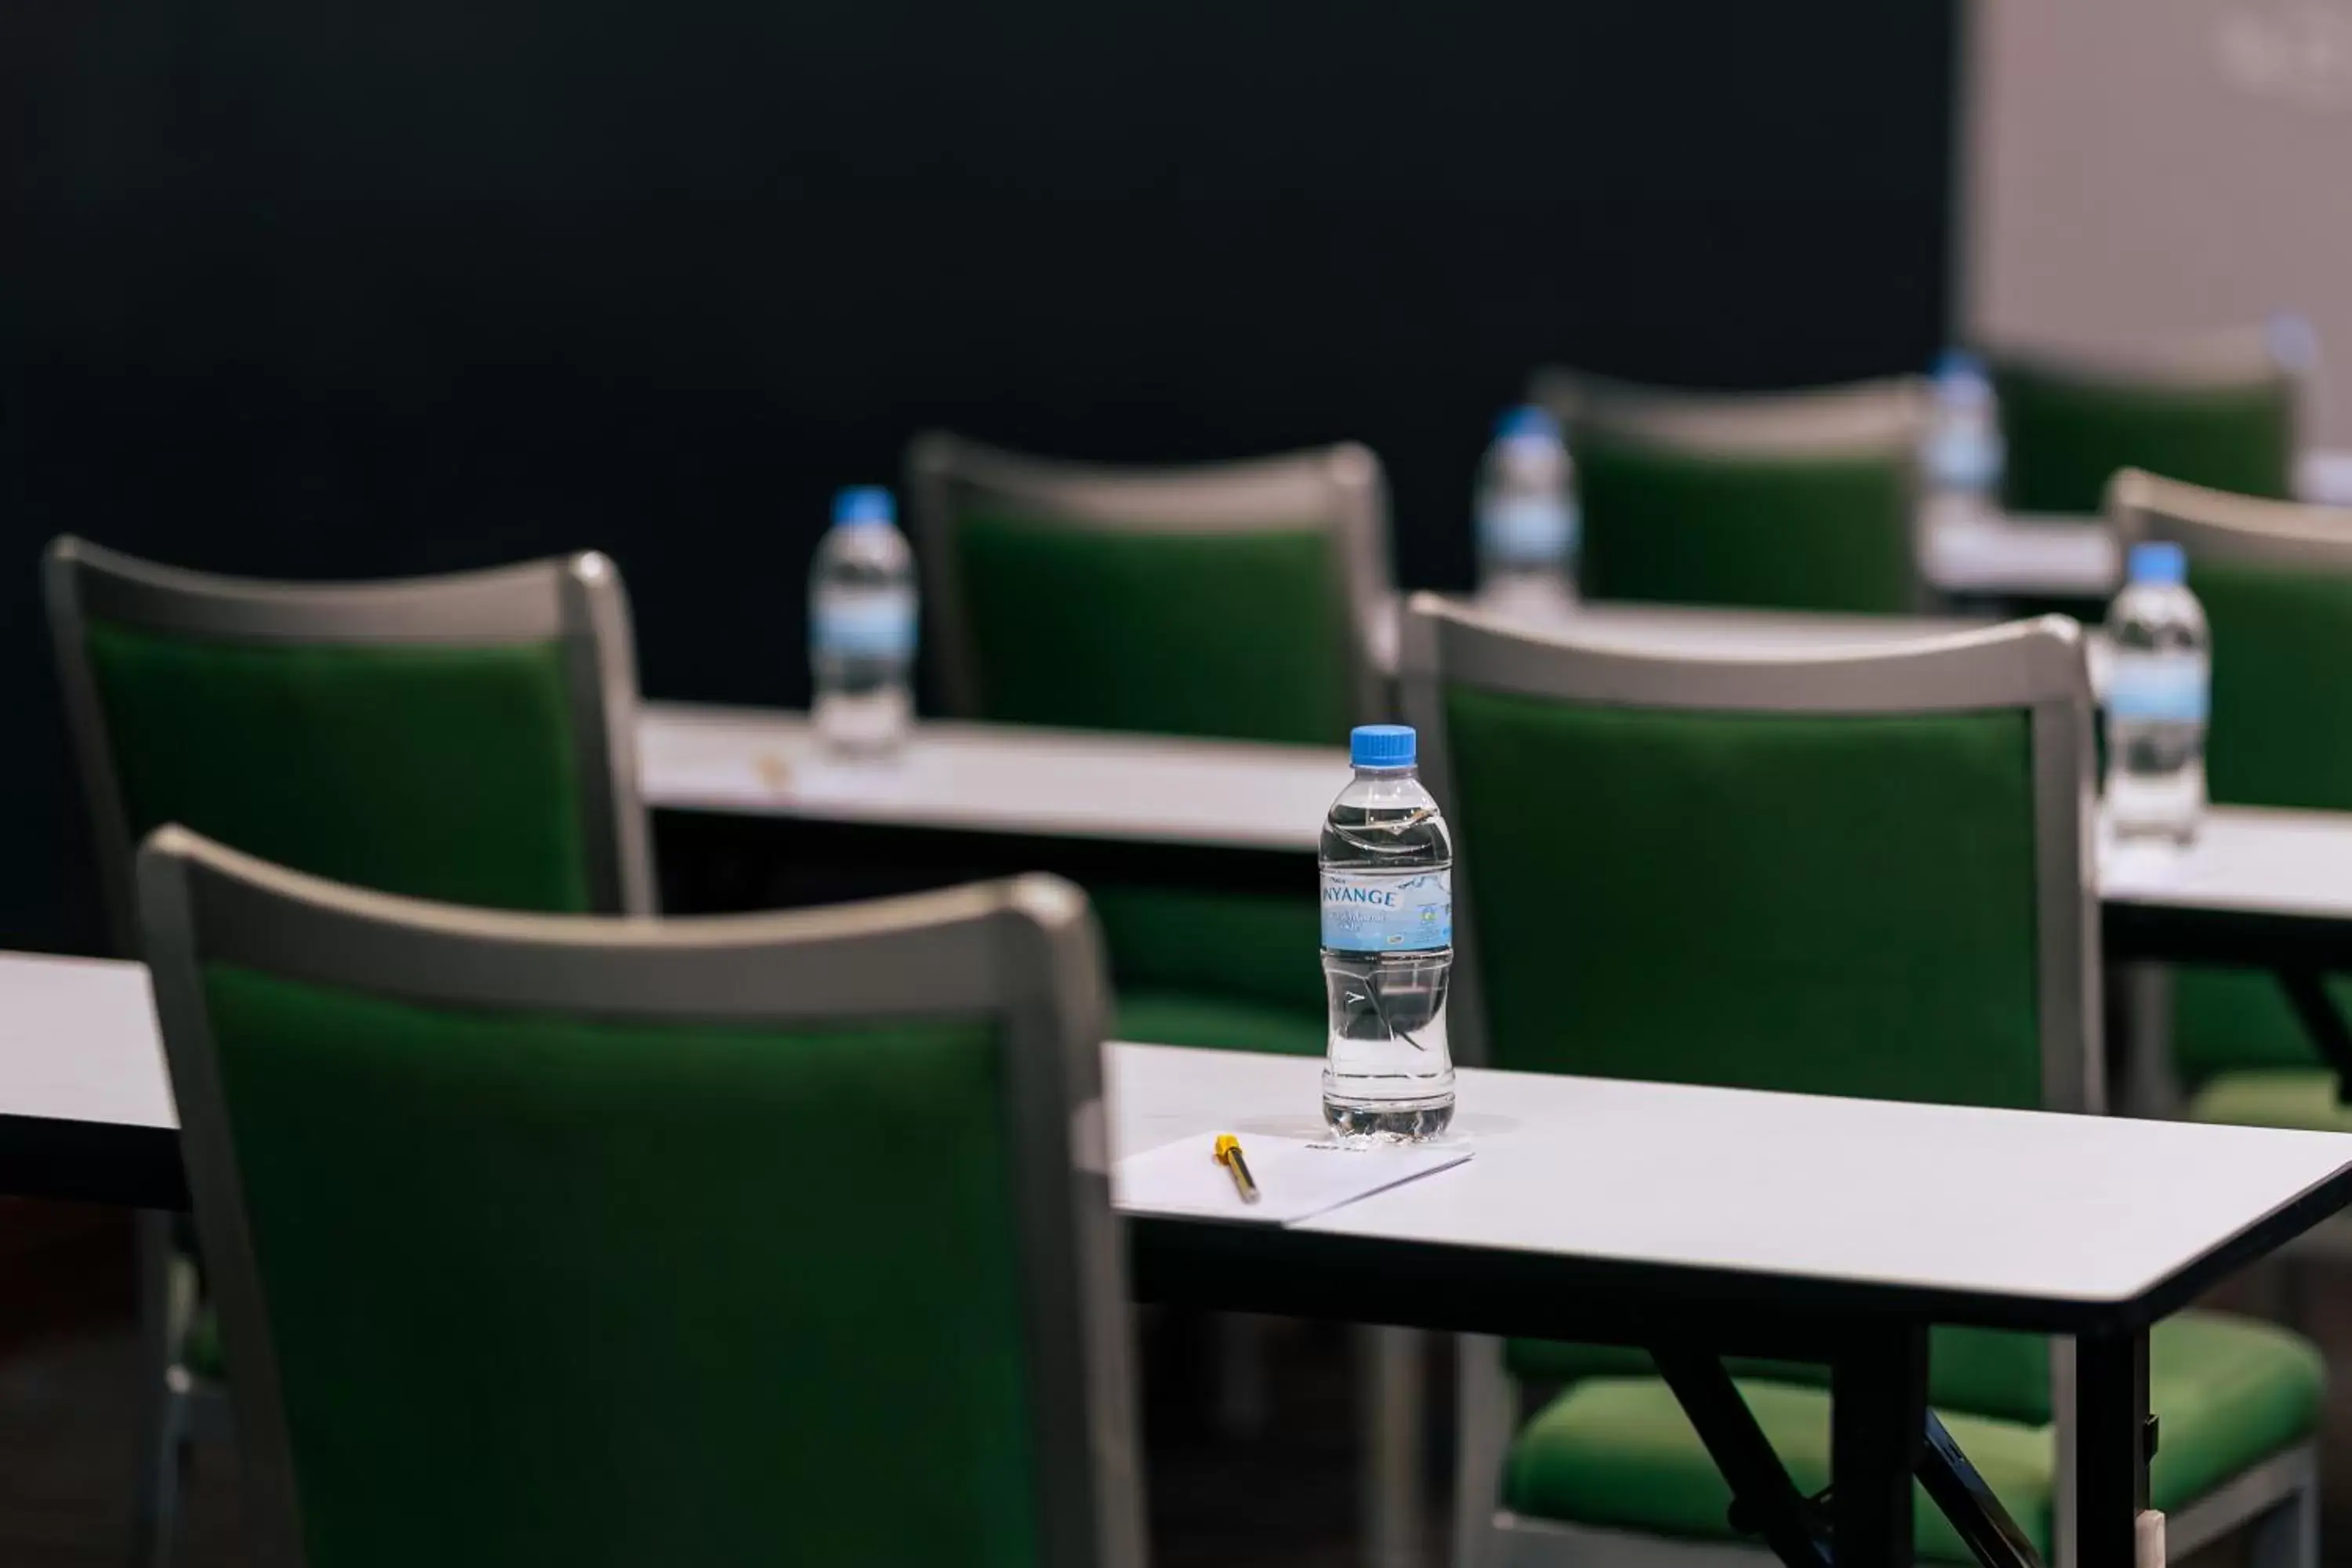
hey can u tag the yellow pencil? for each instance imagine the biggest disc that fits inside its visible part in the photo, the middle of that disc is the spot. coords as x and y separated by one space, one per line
1229 1155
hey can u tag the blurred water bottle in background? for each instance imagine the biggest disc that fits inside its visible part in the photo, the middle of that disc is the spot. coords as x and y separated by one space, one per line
1963 456
2159 674
1527 532
862 626
1388 946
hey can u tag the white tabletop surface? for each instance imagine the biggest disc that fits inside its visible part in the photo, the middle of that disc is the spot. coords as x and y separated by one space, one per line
78 1042
1999 1202
2007 554
2244 858
995 778
1012 779
1004 779
1995 1203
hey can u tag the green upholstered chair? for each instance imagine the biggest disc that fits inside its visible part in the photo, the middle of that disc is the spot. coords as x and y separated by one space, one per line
1858 873
1783 499
2275 578
469 738
572 1238
2219 411
1245 600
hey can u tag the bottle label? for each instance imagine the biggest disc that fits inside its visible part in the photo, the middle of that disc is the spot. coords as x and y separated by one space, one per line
1388 912
876 625
2159 689
1528 528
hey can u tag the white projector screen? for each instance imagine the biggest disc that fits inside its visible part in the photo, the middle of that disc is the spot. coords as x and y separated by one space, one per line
2140 170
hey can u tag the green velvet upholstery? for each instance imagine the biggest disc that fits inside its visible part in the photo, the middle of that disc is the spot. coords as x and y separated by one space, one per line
444 773
1618 1452
1237 634
2067 435
554 1290
1266 944
1820 904
2281 735
2301 1098
1980 1370
1831 905
1827 533
1240 635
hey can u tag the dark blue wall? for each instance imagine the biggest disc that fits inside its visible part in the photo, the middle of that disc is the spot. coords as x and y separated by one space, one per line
349 287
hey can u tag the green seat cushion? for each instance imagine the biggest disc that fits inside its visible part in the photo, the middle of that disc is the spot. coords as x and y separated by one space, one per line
2304 1099
1244 634
1179 1018
1979 1371
1618 1452
443 773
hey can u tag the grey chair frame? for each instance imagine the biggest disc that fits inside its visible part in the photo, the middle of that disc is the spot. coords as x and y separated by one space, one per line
1889 418
1339 489
1024 952
577 599
1889 415
2038 666
2251 530
2222 525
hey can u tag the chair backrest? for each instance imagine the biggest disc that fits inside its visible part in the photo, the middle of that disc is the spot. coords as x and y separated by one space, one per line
470 737
2220 410
1795 499
595 1240
1859 874
1862 874
2275 579
1239 599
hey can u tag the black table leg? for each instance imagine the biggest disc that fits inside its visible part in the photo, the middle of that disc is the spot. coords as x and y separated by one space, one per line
1764 1501
1878 1416
2111 1440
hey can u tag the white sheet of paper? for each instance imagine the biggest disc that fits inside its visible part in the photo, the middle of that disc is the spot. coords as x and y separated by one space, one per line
1298 1177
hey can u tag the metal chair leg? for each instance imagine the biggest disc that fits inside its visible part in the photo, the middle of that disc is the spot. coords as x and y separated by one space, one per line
162 1435
2288 1535
1391 1367
1242 1403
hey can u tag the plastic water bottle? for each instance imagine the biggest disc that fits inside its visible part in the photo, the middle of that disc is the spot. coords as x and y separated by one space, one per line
2159 677
1963 456
1388 946
1527 519
862 626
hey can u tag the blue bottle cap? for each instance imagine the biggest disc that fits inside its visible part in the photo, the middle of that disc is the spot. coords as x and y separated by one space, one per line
1525 422
1381 745
2159 561
864 503
1959 364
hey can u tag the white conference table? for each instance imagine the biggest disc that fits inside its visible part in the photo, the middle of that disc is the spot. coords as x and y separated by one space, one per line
2287 868
1696 1221
1013 780
2258 888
